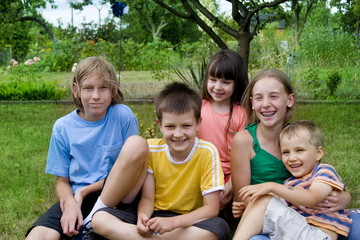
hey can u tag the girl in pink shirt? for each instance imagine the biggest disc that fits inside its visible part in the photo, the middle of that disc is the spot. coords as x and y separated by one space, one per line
222 115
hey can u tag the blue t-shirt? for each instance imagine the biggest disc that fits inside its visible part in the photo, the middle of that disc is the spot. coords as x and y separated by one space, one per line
85 151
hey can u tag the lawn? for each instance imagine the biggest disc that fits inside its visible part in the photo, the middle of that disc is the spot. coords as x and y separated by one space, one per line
26 191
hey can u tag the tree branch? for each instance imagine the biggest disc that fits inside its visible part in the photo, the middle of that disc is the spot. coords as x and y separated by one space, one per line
41 23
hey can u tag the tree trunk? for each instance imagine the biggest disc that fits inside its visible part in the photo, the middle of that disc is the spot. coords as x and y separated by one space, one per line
243 42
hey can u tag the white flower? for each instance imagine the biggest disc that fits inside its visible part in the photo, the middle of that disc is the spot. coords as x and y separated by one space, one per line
73 67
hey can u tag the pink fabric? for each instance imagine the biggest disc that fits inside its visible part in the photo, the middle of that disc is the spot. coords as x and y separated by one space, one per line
213 126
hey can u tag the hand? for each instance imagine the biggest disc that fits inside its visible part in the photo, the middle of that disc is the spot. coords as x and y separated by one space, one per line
162 225
254 191
334 202
238 209
79 196
142 227
226 196
71 219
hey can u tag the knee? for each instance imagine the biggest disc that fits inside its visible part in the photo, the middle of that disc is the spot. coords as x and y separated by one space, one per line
42 233
98 222
136 149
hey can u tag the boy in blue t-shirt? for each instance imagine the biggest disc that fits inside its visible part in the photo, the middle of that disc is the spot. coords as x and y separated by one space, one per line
99 136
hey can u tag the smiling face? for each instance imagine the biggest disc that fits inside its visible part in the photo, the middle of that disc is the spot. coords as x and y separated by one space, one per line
95 97
270 101
179 132
220 89
298 154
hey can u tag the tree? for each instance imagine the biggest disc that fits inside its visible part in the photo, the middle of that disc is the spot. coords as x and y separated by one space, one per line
17 17
244 13
156 23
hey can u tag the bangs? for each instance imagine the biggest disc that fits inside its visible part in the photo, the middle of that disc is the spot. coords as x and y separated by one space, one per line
222 70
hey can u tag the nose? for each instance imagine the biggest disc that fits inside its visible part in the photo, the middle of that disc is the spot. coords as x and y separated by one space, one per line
178 133
266 101
218 85
96 93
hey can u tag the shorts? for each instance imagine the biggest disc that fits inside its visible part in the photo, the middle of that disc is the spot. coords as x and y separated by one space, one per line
215 225
51 218
283 222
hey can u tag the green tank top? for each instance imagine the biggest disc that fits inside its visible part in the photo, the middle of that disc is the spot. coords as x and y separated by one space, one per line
265 167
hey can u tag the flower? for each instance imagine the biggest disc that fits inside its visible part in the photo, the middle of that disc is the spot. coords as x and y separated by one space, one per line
155 62
91 42
14 62
8 67
36 59
29 62
73 67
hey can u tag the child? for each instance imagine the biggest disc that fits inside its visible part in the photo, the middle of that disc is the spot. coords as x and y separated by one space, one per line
222 115
84 147
180 196
255 153
302 150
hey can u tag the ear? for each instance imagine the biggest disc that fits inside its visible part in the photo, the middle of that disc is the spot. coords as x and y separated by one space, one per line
291 100
251 101
75 90
319 153
158 123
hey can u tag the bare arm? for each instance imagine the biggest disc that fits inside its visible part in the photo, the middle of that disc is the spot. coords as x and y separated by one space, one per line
146 204
317 192
71 219
241 154
84 191
209 209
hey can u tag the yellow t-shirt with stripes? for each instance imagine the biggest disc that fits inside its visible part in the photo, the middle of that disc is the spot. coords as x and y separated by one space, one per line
180 186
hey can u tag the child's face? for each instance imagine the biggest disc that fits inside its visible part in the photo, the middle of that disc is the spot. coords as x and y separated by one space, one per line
95 96
179 132
220 89
299 155
270 101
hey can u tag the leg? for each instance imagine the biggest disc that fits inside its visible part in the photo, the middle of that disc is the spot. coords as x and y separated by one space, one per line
126 176
251 222
43 233
128 173
111 227
354 233
187 233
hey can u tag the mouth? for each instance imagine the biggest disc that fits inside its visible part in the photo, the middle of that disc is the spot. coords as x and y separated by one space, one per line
295 166
268 114
178 142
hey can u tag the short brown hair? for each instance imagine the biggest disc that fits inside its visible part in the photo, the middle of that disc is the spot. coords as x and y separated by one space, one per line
178 98
104 70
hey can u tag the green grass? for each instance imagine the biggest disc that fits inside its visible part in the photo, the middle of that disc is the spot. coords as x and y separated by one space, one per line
26 191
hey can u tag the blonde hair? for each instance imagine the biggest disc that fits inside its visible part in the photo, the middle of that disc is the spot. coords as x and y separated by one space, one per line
316 137
101 68
271 73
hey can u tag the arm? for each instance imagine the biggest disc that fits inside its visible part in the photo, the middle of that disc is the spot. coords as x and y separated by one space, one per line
84 191
317 192
146 204
337 200
209 209
240 156
71 219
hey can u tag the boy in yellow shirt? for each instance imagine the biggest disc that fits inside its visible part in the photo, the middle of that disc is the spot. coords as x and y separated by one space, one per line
180 197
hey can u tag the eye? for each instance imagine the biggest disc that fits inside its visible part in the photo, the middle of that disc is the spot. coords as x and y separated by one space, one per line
187 126
285 152
274 96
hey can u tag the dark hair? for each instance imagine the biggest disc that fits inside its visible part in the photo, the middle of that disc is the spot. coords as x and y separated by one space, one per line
101 68
227 64
178 98
271 73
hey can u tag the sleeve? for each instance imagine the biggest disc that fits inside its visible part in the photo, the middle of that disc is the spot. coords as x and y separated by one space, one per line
130 123
58 162
212 177
328 175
